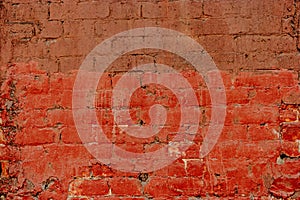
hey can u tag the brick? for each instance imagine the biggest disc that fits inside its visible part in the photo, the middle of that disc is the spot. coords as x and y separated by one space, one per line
291 132
71 47
195 167
69 135
21 31
176 169
67 64
261 133
52 160
35 136
267 96
78 28
100 170
291 96
153 10
47 64
282 79
255 43
122 10
253 150
23 12
185 10
289 113
236 96
233 132
256 114
290 148
25 50
51 29
59 82
89 187
59 116
210 26
81 10
285 187
172 10
186 186
34 118
33 84
286 61
107 28
217 43
159 187
89 10
126 186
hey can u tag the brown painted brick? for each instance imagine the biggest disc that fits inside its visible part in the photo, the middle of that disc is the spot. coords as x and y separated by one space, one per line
125 10
23 12
105 29
67 64
51 29
78 28
20 31
71 46
81 10
152 10
184 9
34 48
258 44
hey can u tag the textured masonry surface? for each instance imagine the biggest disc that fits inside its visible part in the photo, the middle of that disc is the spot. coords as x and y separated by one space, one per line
254 43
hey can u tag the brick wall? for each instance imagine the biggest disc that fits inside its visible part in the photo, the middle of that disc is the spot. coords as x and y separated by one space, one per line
255 45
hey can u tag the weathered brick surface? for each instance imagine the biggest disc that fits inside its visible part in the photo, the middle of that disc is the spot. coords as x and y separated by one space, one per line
255 44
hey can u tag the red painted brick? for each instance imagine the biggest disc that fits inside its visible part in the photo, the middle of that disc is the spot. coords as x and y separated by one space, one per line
126 187
263 132
257 80
82 187
100 170
291 132
176 169
36 136
255 114
159 187
186 186
195 167
290 148
58 116
69 135
285 187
